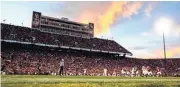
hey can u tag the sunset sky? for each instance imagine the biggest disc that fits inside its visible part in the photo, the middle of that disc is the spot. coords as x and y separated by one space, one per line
137 26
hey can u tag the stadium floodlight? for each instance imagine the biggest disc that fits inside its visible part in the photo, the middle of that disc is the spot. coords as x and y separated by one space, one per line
163 25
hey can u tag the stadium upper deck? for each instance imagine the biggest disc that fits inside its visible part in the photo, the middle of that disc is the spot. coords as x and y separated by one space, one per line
24 35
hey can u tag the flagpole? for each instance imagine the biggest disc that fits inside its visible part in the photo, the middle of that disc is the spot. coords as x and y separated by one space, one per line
164 53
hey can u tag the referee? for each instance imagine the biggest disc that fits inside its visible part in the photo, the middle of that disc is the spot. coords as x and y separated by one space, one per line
61 70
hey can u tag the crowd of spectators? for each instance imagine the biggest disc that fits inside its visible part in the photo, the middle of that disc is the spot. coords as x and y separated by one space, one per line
47 62
25 34
29 61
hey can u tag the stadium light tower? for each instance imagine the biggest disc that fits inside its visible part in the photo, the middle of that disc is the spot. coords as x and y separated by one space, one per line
164 53
164 46
163 25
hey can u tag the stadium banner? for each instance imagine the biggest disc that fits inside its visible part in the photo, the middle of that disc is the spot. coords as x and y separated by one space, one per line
36 19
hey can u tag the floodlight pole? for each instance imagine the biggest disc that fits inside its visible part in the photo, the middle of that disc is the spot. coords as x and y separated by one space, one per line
164 54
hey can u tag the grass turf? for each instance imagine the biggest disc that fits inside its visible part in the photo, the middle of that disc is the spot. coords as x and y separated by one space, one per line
86 81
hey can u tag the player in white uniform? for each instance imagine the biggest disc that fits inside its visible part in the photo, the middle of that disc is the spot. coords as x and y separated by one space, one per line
123 72
105 72
144 71
85 71
133 71
114 73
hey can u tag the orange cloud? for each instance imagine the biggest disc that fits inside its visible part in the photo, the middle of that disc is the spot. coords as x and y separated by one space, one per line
170 53
106 20
105 16
131 8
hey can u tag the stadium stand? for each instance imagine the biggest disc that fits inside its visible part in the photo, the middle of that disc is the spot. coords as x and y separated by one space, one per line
31 57
24 34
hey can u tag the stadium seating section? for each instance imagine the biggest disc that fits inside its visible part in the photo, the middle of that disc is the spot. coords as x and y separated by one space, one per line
31 60
24 34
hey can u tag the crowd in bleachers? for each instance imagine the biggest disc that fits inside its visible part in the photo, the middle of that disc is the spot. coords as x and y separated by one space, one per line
26 61
46 62
25 34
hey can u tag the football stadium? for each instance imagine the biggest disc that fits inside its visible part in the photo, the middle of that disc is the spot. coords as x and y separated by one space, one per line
58 52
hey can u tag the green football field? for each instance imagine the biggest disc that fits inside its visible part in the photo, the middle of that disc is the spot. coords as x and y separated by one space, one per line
86 81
